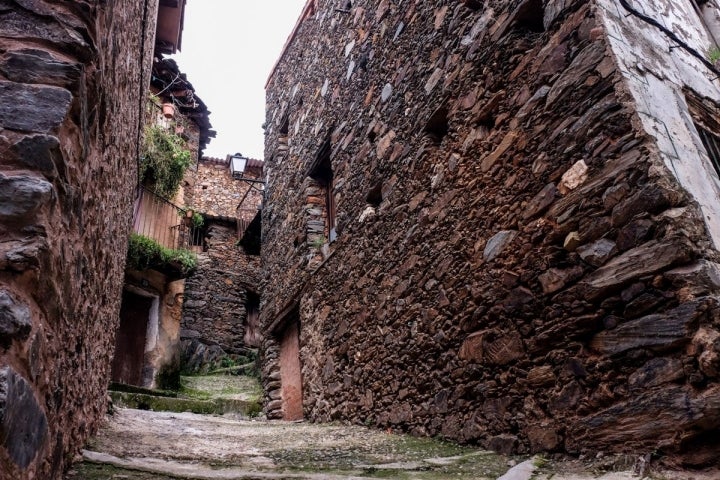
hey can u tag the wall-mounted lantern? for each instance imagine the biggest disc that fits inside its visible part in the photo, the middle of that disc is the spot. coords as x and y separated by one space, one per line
237 165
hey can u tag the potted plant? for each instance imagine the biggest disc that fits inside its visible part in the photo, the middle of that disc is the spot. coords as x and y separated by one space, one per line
168 110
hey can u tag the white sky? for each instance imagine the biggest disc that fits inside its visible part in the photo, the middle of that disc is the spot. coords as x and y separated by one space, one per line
228 49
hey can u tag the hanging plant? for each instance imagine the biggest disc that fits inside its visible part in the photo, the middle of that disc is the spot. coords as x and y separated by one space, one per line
144 253
165 158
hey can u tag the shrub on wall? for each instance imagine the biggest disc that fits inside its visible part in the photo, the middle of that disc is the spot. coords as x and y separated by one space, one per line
144 253
165 158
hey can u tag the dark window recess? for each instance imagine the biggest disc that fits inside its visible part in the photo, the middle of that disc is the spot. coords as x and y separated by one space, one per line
196 236
252 307
374 196
284 125
529 16
321 171
252 236
711 142
437 126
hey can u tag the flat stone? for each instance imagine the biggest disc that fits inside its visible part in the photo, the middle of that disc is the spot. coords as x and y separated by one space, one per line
503 349
552 280
521 471
32 108
386 92
504 443
640 261
573 178
498 243
541 201
15 319
38 152
40 25
598 252
657 371
472 347
38 66
22 195
660 332
23 425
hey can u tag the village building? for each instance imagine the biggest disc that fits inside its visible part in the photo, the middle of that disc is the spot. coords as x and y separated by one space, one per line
497 222
73 84
222 296
167 232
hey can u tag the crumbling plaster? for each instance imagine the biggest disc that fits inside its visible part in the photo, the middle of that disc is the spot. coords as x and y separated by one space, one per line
656 71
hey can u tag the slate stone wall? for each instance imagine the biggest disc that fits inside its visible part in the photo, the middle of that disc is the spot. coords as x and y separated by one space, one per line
213 314
73 77
515 265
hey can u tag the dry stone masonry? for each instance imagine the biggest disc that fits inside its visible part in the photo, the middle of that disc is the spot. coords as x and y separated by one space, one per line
525 251
215 318
72 75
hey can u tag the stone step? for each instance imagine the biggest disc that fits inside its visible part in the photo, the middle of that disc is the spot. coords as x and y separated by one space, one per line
163 403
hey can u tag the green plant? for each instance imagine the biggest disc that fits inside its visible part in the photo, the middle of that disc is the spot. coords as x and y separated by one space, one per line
144 253
165 158
317 242
197 220
713 54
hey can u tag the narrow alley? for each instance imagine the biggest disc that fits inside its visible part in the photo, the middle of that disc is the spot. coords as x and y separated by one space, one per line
467 239
167 445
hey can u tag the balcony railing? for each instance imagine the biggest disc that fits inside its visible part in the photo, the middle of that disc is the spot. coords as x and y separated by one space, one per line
169 225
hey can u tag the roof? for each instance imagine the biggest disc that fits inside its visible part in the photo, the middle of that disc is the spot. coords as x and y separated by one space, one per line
170 22
174 86
252 163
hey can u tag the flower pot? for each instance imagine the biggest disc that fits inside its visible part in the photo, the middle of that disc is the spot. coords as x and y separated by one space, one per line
168 110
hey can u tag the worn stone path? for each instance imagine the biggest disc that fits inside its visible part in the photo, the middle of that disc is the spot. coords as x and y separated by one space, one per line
146 445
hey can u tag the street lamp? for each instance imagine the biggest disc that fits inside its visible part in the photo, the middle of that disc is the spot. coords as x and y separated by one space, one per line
237 165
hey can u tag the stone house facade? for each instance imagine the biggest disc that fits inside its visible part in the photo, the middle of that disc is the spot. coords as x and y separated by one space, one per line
497 222
73 77
147 344
222 298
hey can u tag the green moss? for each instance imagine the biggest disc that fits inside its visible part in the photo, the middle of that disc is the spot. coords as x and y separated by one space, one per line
92 471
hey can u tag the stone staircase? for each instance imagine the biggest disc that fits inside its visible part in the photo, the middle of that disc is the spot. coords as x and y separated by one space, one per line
210 394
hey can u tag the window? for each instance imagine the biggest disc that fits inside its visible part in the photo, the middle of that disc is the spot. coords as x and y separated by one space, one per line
711 142
706 117
321 172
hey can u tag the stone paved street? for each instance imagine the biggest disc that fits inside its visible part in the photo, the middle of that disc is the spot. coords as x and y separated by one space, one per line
145 445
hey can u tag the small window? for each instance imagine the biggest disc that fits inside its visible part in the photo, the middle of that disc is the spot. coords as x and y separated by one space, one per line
437 126
705 115
321 171
711 142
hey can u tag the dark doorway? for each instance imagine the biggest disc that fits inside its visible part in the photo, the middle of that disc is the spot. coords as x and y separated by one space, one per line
290 369
252 321
130 340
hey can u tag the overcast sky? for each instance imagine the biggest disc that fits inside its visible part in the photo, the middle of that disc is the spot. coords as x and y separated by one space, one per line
228 49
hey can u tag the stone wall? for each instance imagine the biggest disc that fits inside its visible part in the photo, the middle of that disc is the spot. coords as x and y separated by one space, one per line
214 314
73 77
515 264
218 194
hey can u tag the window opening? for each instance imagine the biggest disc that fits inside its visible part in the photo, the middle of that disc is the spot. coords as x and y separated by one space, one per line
530 15
704 115
374 196
437 126
321 171
711 142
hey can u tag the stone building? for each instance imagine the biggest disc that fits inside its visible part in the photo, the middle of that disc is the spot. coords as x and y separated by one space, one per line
497 222
147 344
222 298
73 77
